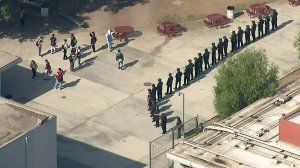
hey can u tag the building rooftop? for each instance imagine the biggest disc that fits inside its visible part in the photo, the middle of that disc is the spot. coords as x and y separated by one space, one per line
250 138
7 60
17 119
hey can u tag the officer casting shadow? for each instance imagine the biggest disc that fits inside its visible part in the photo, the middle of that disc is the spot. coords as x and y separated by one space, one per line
163 102
70 84
168 113
171 119
129 64
166 107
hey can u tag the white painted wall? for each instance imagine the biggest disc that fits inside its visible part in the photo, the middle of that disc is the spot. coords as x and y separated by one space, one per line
40 151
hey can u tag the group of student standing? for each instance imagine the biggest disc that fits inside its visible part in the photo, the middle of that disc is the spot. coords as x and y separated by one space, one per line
193 70
76 53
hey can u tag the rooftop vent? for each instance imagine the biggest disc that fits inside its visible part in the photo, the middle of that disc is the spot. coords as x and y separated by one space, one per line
282 99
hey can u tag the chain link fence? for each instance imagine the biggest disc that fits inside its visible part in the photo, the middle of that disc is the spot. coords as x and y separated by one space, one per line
159 147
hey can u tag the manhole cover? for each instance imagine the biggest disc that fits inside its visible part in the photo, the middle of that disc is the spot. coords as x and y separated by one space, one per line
8 96
147 84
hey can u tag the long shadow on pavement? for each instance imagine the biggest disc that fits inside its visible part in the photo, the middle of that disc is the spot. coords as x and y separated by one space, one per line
75 154
18 83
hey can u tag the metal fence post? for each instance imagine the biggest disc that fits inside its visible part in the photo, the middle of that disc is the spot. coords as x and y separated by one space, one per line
173 139
150 157
197 126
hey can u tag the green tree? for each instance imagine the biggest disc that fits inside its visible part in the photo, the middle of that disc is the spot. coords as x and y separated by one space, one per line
243 80
297 44
7 8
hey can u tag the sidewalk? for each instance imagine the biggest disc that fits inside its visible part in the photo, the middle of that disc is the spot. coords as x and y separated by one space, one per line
106 107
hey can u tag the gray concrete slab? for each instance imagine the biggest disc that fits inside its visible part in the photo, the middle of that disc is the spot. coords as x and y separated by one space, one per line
106 107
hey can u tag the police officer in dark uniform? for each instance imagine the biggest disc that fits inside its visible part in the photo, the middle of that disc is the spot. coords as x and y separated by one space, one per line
213 53
159 87
260 27
169 84
164 123
196 64
220 49
253 30
178 78
247 34
200 60
191 66
267 25
186 75
156 116
225 43
153 92
149 100
240 37
233 41
274 19
206 59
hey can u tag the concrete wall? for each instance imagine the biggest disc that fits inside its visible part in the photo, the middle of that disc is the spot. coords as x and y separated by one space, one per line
289 132
38 151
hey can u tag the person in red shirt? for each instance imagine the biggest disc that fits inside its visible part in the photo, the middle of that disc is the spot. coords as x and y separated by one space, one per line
47 70
58 78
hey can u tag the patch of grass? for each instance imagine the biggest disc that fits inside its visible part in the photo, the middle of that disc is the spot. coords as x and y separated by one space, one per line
297 44
169 18
241 6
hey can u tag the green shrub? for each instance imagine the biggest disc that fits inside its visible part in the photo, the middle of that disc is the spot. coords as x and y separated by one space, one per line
243 80
297 44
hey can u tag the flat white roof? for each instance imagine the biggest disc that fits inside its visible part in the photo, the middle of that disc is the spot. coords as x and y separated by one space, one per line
247 139
17 119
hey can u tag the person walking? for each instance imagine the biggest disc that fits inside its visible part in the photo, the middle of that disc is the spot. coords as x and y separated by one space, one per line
93 40
260 27
159 88
200 60
120 59
178 79
247 34
233 40
213 53
156 116
179 127
225 45
149 100
33 67
47 71
73 40
65 48
253 30
191 67
71 59
274 19
164 121
52 44
58 78
206 59
78 55
109 39
39 44
240 34
220 47
169 84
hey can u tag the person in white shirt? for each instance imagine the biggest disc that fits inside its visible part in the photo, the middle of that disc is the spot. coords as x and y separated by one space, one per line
109 38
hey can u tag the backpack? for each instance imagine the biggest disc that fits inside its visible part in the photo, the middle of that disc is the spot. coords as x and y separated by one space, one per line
61 78
37 43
